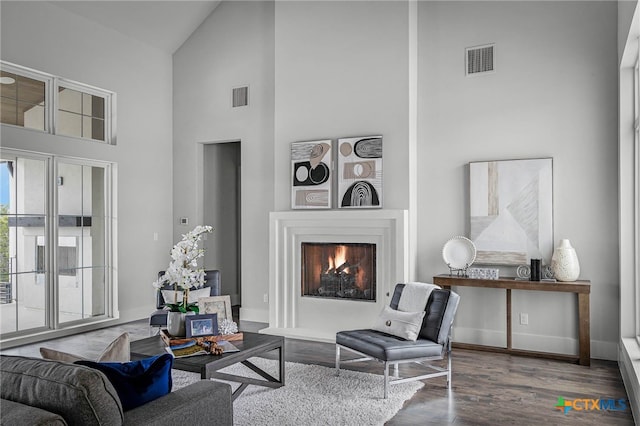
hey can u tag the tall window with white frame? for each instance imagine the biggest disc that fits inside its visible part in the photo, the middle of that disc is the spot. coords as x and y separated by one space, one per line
44 199
23 226
40 101
55 231
80 113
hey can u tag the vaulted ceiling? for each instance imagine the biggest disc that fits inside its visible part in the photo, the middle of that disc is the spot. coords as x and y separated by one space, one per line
163 24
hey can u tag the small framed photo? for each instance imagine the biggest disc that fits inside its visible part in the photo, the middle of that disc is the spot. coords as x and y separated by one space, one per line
201 325
220 305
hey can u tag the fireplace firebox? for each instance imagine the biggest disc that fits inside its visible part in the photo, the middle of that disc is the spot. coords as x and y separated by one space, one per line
339 270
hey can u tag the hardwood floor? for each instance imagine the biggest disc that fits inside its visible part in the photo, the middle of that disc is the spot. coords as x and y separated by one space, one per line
487 388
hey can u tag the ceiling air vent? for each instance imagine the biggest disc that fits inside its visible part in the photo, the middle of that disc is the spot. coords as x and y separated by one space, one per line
240 96
480 59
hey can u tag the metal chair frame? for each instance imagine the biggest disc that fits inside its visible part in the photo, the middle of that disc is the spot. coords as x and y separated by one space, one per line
397 379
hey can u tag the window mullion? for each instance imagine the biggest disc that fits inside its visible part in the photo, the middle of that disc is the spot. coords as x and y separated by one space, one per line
52 233
53 107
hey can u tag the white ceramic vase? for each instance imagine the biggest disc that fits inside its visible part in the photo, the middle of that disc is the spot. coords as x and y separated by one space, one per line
175 324
564 262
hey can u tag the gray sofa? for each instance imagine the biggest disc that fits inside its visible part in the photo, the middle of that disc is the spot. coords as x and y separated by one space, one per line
35 391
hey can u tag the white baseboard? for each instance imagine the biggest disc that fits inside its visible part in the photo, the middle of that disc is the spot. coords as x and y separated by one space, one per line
257 315
535 342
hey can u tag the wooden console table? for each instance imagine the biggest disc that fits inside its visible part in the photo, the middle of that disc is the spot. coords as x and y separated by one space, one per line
581 288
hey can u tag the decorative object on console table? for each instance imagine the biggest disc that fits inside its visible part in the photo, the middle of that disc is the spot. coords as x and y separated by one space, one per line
564 262
547 273
511 212
484 273
311 168
360 172
523 272
535 269
459 253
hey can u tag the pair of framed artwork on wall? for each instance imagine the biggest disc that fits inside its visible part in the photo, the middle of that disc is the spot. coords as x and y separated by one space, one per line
358 175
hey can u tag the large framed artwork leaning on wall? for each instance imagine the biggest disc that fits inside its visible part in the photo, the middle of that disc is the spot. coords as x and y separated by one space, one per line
311 168
360 172
511 210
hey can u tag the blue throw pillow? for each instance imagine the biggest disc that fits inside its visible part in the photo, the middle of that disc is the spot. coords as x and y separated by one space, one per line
137 382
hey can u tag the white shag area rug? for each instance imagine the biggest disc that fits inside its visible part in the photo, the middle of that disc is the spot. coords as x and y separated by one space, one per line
312 395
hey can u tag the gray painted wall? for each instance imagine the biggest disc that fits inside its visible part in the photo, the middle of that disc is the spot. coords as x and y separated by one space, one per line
343 69
554 94
45 37
333 69
625 17
233 47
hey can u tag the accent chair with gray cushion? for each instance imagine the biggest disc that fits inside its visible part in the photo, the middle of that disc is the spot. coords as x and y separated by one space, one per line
158 319
407 335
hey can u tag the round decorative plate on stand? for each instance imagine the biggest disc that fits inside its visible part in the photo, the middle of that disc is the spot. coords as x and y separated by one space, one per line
459 253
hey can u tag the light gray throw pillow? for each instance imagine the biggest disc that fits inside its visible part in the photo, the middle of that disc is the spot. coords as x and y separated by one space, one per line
398 323
116 351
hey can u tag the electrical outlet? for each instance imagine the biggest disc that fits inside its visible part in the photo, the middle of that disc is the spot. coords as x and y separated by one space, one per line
155 236
524 319
265 298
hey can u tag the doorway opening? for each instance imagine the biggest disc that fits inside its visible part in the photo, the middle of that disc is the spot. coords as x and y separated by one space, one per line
222 209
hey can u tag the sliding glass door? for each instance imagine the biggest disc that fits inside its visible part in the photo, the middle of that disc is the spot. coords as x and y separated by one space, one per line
81 262
23 223
44 285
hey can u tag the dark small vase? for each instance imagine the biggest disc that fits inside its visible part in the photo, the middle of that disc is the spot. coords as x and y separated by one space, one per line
536 269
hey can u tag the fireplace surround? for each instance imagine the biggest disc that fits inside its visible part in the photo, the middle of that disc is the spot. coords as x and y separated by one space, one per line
291 314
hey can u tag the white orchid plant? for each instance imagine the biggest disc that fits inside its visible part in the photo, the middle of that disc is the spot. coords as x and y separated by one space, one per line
183 272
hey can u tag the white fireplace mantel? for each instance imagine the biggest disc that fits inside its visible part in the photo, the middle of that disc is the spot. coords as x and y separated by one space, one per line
312 318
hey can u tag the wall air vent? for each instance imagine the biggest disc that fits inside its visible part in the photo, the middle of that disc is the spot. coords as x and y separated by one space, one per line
240 96
479 59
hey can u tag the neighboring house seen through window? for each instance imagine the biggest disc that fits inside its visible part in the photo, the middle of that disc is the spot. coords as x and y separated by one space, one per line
55 242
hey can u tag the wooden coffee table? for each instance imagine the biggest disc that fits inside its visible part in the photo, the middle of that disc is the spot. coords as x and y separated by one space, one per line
253 344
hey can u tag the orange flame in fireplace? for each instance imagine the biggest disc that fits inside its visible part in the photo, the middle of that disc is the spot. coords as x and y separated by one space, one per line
360 278
338 258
